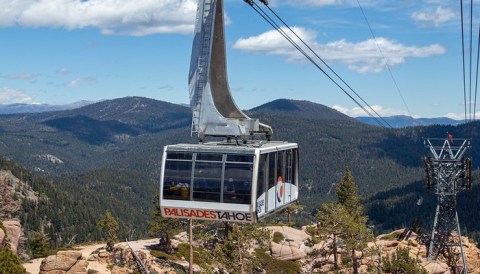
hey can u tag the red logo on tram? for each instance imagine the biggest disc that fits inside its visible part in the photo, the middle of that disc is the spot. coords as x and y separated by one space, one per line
279 189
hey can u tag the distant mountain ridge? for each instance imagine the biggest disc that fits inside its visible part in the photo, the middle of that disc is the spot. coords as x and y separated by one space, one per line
401 121
304 108
36 108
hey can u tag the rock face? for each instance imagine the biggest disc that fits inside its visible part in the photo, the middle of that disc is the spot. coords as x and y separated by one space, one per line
2 237
14 231
122 259
68 262
292 247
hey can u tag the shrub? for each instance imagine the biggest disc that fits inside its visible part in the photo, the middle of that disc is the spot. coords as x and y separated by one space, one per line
10 263
278 237
391 236
401 262
272 265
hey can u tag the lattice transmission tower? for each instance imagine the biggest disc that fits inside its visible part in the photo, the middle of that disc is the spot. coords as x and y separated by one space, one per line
447 172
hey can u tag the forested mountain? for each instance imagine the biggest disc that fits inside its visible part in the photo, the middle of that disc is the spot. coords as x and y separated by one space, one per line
107 155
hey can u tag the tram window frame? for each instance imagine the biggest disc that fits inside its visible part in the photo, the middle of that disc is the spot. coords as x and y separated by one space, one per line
288 166
295 166
280 165
181 185
262 180
272 170
211 186
181 155
239 188
200 166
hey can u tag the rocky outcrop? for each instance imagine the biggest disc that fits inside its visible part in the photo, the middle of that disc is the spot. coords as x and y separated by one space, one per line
318 259
17 186
292 246
13 233
65 262
122 259
2 238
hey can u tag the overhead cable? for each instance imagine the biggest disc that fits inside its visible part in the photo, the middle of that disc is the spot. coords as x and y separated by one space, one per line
323 61
267 18
476 74
463 61
384 58
470 63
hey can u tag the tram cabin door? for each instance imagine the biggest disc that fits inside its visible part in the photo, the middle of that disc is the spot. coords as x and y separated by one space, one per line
277 181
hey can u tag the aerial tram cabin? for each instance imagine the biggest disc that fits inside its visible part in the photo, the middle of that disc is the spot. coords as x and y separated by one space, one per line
228 182
241 179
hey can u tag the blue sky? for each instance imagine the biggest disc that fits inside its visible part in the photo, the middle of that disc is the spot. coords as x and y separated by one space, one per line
63 51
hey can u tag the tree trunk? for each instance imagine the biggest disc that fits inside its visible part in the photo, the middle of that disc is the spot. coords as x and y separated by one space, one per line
240 258
335 252
190 263
354 262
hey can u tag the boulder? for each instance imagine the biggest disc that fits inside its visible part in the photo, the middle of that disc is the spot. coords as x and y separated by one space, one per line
436 268
285 252
79 268
2 237
119 270
63 261
290 233
182 237
14 231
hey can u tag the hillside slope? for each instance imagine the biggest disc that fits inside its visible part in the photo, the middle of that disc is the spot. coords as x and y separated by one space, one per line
108 154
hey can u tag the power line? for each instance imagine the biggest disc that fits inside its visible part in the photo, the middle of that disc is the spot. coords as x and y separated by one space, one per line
267 18
463 61
470 78
476 74
321 59
384 58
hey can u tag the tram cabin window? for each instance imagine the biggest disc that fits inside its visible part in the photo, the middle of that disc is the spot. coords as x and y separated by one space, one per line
217 177
177 175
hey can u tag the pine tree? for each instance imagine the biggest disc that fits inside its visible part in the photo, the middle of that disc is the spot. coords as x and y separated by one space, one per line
234 251
355 234
291 210
110 227
332 219
39 244
344 220
347 194
10 263
163 227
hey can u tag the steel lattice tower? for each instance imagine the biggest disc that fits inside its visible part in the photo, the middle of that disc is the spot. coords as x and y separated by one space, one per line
447 171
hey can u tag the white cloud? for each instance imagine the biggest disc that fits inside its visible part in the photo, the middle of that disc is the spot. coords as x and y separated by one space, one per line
12 96
362 57
434 17
20 76
63 71
81 81
456 116
461 116
357 111
141 17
